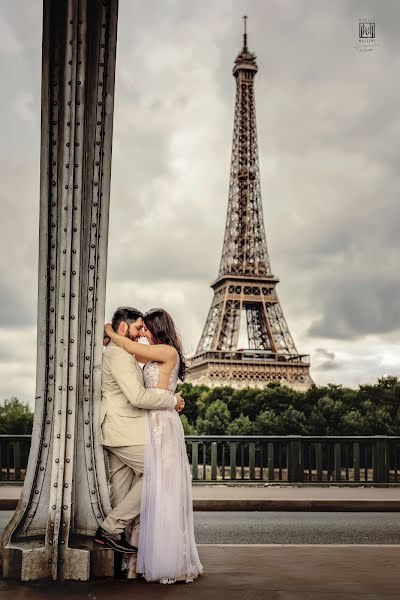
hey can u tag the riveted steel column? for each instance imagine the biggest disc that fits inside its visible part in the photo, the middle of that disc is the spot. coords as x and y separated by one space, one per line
65 494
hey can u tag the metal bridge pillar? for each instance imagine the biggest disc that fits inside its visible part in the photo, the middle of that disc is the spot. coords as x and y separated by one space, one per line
65 495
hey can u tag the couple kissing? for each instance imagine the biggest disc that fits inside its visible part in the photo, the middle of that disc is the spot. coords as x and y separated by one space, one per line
151 521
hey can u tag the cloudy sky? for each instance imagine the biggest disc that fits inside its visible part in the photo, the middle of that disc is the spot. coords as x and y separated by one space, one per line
329 137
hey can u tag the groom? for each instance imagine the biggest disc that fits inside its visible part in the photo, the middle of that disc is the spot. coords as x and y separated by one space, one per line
123 428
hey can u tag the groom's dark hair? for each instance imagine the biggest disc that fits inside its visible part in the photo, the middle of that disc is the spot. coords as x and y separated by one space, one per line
127 314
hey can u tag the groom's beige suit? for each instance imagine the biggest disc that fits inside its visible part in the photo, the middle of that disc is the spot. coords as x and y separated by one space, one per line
123 431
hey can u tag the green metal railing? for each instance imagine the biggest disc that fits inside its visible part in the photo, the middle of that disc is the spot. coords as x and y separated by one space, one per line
294 459
258 459
14 452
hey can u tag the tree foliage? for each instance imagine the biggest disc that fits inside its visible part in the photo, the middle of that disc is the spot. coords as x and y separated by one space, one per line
216 419
16 418
274 410
279 410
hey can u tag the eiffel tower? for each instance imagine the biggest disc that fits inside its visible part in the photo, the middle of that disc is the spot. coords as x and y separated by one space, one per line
245 283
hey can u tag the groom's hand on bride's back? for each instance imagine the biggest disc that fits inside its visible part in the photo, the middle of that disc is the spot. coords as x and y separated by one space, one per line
106 340
180 402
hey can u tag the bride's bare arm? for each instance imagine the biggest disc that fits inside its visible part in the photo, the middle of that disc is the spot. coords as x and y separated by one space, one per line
143 352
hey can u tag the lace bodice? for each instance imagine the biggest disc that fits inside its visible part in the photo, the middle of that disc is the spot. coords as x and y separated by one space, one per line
151 374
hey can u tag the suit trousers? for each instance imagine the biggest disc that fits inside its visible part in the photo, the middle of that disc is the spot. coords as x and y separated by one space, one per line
126 465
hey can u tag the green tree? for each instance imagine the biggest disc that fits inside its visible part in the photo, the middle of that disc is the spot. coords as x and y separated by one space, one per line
389 382
241 426
209 396
354 423
378 418
386 392
395 425
188 429
216 419
279 397
326 417
276 409
16 418
191 394
267 423
246 401
292 421
337 393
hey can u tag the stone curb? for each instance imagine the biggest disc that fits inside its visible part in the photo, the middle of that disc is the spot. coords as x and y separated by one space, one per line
211 504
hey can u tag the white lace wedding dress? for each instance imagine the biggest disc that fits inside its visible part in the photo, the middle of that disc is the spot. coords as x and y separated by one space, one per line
166 546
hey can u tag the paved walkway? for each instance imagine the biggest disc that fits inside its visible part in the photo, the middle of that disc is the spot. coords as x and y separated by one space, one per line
247 498
252 573
333 498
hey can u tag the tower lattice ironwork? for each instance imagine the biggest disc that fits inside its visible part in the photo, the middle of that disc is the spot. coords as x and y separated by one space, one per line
245 285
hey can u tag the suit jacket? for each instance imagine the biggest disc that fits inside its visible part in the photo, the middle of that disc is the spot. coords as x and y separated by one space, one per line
122 418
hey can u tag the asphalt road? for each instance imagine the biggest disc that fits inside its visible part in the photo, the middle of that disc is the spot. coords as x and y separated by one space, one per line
297 528
290 527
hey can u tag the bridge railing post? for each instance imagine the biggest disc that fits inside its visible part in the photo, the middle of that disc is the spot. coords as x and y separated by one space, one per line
380 460
295 460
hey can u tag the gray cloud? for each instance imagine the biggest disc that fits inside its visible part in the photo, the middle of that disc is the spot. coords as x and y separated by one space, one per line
329 366
324 353
356 307
328 124
15 310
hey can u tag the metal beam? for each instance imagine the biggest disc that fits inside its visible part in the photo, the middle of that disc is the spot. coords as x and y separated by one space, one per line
65 495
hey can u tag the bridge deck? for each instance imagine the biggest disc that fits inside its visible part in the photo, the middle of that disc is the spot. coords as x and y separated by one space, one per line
253 572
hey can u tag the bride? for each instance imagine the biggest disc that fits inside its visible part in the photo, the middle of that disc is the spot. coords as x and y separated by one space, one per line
166 548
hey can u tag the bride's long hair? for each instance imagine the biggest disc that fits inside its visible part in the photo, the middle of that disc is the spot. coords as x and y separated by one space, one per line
162 328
